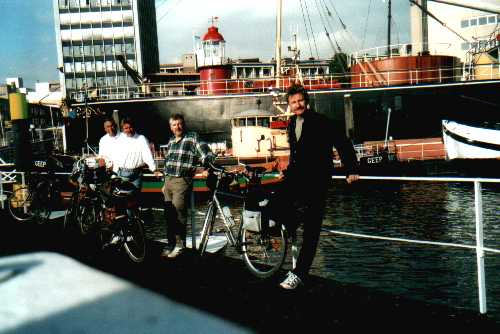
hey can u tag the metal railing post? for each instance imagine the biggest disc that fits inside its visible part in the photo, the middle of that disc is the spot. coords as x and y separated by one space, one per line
478 199
193 223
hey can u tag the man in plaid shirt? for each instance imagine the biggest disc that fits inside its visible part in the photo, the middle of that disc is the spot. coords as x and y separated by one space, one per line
183 152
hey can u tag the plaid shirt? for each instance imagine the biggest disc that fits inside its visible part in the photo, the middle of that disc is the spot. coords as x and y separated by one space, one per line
182 157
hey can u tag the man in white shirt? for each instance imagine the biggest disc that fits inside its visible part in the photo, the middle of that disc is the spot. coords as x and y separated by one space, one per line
108 143
132 153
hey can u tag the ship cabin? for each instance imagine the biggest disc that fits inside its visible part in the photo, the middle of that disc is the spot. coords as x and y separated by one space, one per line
258 134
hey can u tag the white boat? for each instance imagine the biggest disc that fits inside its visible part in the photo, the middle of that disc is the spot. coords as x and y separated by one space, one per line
469 142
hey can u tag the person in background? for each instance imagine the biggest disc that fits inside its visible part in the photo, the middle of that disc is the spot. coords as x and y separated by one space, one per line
108 142
183 153
132 153
311 137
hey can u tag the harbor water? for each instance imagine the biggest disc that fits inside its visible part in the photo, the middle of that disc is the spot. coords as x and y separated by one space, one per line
426 211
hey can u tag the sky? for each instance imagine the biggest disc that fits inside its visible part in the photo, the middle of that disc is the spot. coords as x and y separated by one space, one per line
28 47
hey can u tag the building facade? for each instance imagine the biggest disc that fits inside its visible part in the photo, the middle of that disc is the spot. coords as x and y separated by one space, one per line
90 34
476 27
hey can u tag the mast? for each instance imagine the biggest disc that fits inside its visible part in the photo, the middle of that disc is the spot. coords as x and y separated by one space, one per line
278 42
389 18
425 27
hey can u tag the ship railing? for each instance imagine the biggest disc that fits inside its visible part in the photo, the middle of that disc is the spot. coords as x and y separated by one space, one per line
478 247
367 79
403 151
396 50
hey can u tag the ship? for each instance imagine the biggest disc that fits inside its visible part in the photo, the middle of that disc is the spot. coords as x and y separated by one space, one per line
419 91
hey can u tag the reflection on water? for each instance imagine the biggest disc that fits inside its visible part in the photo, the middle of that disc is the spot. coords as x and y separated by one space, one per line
440 212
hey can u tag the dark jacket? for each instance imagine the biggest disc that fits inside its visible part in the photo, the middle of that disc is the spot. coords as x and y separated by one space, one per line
312 155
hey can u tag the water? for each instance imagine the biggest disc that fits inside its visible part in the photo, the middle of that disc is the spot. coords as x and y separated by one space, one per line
439 212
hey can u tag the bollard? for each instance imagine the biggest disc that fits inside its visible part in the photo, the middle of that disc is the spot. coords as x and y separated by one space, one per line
19 115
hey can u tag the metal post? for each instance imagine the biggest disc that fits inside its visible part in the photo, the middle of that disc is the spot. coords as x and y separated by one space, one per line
193 224
479 247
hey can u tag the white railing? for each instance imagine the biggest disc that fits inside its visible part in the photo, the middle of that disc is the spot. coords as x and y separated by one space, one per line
369 78
478 208
395 50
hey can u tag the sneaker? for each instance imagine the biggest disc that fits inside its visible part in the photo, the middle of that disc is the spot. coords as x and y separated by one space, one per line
166 252
178 250
291 281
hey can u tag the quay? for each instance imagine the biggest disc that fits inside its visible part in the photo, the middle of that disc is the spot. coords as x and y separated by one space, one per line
219 290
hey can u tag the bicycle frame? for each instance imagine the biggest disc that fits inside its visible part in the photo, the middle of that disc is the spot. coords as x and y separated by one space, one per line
234 241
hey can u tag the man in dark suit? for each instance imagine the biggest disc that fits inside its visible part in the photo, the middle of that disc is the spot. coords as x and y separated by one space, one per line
311 137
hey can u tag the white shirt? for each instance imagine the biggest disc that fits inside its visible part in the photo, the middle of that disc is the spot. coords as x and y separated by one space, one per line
133 152
108 147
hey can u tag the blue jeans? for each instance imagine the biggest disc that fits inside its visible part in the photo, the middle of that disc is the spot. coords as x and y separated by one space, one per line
134 176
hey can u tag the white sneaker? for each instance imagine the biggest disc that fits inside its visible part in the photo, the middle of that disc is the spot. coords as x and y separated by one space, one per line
178 250
291 281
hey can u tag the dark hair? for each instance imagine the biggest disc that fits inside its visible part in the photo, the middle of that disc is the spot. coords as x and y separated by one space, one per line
109 119
297 89
128 120
178 117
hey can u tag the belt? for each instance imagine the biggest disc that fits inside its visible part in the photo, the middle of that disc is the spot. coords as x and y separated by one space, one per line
130 170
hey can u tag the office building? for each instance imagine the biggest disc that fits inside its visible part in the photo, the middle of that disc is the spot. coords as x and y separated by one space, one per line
90 34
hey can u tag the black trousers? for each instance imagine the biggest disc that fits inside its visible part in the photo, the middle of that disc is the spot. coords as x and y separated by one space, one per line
299 202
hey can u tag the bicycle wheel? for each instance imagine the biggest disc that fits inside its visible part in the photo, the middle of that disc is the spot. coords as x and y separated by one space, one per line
71 212
135 243
207 228
264 254
25 205
86 216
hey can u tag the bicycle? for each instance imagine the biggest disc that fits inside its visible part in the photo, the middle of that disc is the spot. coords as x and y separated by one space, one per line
86 176
262 245
105 204
37 200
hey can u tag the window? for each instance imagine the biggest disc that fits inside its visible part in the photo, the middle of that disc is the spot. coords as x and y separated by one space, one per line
241 122
70 83
78 67
464 23
492 19
109 65
483 20
77 51
108 49
98 50
87 50
251 122
263 121
89 66
473 22
69 68
99 66
465 46
67 51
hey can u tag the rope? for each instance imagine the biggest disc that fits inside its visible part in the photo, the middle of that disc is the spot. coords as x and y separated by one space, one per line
312 31
307 28
366 25
434 243
323 22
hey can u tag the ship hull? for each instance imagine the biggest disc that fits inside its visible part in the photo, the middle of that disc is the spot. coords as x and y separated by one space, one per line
363 113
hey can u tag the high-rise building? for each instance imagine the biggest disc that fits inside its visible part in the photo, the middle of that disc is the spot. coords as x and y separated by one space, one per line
90 34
